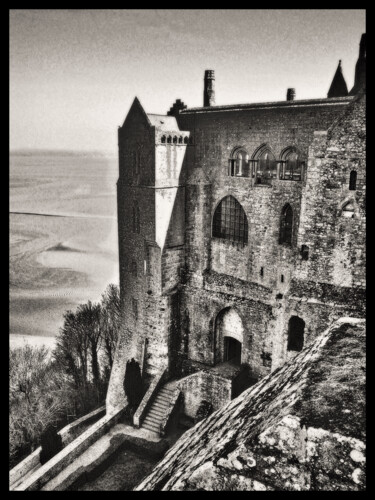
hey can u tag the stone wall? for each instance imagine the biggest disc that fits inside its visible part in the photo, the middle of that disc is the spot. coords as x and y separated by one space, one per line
204 386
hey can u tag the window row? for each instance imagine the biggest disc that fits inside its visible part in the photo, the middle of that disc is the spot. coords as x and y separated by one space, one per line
230 222
263 166
176 140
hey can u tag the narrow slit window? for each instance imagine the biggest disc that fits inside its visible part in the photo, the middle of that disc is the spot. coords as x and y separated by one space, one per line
286 225
353 180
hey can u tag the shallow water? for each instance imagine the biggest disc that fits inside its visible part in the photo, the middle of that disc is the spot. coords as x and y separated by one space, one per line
63 238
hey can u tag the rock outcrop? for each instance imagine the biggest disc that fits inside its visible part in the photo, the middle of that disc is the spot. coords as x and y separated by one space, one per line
300 428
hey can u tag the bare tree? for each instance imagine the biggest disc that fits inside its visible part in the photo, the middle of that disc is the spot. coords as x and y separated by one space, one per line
110 321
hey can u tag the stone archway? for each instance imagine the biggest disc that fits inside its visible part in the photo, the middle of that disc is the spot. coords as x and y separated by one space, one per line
229 333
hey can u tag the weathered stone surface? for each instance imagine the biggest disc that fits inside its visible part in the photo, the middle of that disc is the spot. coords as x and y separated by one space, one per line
291 431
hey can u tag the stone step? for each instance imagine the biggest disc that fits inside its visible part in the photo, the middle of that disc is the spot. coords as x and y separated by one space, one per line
151 427
154 416
162 398
164 390
150 421
160 407
156 413
165 402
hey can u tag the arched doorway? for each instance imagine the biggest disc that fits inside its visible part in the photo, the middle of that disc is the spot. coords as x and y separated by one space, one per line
228 336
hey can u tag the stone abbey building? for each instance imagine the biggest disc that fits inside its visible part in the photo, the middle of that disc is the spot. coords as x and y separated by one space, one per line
241 235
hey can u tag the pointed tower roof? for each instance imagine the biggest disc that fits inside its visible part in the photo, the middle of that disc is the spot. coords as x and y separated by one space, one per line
360 68
338 86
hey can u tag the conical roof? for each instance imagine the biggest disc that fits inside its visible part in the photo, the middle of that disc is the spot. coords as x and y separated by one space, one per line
338 86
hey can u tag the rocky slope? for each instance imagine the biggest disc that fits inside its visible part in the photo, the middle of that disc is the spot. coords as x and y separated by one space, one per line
300 428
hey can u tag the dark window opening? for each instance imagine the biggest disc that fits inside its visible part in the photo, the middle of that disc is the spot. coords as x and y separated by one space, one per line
353 180
282 278
169 139
163 139
175 139
296 334
262 271
265 168
286 225
304 252
180 140
186 140
239 165
291 167
230 221
232 350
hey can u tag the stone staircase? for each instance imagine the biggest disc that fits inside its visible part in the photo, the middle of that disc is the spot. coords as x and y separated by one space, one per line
158 409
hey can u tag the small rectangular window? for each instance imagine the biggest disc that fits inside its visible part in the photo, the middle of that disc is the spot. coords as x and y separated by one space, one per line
262 272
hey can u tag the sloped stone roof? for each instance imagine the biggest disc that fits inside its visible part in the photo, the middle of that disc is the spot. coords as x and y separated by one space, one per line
300 428
163 122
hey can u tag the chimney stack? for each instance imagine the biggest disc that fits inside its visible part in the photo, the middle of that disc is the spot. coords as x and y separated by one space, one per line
209 88
290 94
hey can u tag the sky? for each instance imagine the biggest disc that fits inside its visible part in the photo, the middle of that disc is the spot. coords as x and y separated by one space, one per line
75 73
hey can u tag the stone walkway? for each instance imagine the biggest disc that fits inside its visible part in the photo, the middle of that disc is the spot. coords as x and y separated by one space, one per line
99 452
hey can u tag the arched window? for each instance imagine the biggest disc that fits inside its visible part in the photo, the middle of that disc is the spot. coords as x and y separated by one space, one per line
239 164
163 139
175 139
286 225
169 139
296 329
230 221
180 139
186 139
353 180
264 165
291 165
136 218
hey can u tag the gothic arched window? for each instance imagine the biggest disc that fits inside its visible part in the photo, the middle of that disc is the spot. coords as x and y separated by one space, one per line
353 180
264 165
186 139
291 167
163 138
296 329
286 225
169 139
239 164
230 221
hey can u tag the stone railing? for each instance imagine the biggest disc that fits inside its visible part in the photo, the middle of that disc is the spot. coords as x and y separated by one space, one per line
56 464
148 398
174 407
67 433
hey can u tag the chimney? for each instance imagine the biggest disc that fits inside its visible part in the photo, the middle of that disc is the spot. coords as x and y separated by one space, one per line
209 88
290 94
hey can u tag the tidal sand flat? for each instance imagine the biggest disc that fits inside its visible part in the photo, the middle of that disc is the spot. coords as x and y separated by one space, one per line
63 239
